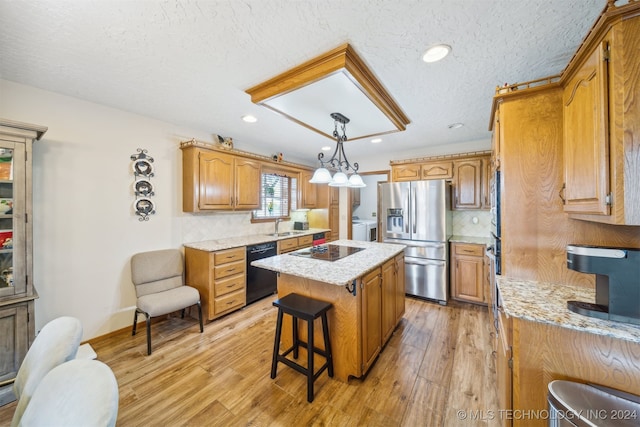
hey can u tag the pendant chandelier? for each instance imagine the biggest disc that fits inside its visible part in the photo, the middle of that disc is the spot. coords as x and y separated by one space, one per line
338 161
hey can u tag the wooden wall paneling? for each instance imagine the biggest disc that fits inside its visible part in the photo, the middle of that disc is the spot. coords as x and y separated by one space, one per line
543 353
535 230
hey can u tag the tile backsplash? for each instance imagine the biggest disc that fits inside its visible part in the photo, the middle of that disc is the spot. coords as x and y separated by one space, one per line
220 225
463 223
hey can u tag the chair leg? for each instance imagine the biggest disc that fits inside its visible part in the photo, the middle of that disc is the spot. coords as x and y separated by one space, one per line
182 313
200 316
327 344
276 345
296 340
310 354
148 334
135 322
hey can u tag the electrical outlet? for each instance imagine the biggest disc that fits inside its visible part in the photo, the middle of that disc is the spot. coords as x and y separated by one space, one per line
373 214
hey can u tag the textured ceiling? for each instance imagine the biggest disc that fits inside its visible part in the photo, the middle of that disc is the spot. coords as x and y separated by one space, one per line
190 62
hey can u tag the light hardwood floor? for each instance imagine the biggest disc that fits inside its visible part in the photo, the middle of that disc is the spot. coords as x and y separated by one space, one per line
438 362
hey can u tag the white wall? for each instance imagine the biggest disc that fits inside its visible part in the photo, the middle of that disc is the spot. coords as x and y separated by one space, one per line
85 230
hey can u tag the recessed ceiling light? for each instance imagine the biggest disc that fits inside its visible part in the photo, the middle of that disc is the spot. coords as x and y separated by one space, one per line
249 118
456 125
376 140
326 148
436 53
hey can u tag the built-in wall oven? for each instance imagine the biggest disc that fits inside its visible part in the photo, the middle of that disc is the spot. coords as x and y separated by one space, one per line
494 252
260 282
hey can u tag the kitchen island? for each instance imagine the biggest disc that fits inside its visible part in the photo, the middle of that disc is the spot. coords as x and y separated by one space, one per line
366 287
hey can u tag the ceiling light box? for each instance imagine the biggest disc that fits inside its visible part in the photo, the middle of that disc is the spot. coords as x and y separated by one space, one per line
335 81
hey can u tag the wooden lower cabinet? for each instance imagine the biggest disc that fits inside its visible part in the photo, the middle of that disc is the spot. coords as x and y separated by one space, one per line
220 277
400 287
294 243
468 278
371 317
503 366
529 355
16 334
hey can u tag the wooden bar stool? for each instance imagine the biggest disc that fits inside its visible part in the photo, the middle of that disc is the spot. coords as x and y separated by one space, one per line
309 309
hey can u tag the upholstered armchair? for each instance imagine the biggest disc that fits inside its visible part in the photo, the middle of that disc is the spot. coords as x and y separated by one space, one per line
57 342
158 277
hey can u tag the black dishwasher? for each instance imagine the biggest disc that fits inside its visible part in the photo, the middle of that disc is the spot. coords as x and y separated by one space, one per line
260 282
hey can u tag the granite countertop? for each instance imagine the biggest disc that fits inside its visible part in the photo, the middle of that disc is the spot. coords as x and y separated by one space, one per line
547 303
254 239
340 272
487 241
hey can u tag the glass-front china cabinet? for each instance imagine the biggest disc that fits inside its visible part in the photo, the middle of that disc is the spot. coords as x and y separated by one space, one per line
17 294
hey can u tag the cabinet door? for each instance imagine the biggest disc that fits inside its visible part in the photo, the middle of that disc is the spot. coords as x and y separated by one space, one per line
400 287
388 299
355 197
437 170
409 172
467 186
334 195
486 183
371 322
503 369
215 180
334 221
247 184
468 281
586 142
14 339
308 191
14 242
495 141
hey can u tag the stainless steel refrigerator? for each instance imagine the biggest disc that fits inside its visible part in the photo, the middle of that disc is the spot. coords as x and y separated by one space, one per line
418 214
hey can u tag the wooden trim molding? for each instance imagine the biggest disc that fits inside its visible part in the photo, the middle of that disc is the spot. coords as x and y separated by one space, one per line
340 59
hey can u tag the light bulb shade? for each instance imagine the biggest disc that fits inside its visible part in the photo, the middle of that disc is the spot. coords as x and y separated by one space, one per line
355 181
339 180
321 176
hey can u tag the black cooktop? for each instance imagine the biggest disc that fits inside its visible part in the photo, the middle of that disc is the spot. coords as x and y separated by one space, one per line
327 252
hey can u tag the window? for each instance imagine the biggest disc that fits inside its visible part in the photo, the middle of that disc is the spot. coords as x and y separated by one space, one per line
275 196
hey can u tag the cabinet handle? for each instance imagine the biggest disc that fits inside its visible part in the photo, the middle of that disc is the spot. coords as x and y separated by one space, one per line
561 193
231 302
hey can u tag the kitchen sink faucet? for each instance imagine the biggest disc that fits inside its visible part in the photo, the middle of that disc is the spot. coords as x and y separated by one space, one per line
278 221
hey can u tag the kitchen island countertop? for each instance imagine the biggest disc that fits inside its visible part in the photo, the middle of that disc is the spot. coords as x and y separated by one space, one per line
547 303
341 272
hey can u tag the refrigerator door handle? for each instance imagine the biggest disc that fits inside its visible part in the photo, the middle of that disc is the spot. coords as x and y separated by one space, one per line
413 208
424 261
406 211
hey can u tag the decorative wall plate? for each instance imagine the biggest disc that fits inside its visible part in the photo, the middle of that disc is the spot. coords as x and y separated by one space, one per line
143 167
143 187
144 208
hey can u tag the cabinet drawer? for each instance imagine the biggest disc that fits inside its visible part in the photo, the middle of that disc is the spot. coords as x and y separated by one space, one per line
288 244
229 255
230 284
226 270
230 301
305 240
469 249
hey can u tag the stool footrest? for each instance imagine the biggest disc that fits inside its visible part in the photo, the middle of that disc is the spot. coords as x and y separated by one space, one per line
302 369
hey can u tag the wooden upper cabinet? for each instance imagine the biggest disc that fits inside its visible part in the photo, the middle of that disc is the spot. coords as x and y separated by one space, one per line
467 184
437 170
308 191
215 180
247 184
602 126
586 140
408 172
